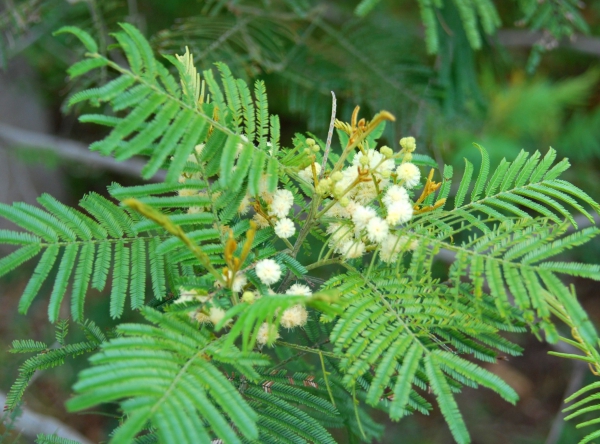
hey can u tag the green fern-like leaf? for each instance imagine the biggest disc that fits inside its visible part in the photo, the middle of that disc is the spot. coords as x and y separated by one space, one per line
177 362
86 248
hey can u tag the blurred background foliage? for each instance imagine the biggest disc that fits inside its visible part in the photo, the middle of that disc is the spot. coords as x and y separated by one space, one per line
510 75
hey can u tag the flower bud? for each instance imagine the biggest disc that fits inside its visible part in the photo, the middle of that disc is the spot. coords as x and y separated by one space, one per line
324 187
386 151
310 142
337 176
316 148
364 160
408 143
248 297
338 189
344 202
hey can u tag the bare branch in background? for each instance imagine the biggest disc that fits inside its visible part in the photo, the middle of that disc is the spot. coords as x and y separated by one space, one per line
516 38
14 138
32 424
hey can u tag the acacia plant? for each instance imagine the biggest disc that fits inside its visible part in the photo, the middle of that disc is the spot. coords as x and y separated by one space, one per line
238 341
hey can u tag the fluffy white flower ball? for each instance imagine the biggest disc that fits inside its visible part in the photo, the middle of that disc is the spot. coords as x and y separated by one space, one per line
376 162
352 249
395 193
244 205
339 233
266 333
199 317
307 173
216 314
189 295
409 173
295 316
185 192
238 282
391 247
338 211
299 290
349 175
377 229
365 192
399 213
362 215
262 188
285 228
282 203
268 271
260 221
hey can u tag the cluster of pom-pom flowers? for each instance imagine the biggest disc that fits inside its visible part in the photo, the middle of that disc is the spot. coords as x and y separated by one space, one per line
278 203
268 272
355 189
369 200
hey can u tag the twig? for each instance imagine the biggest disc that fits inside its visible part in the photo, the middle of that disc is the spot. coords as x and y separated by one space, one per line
329 135
31 424
15 138
516 38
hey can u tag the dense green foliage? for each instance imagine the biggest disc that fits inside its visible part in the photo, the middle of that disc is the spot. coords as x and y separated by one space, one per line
206 361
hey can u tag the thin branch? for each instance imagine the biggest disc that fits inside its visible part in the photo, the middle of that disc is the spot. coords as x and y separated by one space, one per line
14 138
526 39
329 135
31 424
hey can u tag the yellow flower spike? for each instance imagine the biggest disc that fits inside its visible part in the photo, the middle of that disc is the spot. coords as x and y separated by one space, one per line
230 247
343 126
248 244
379 118
314 172
429 208
354 118
362 124
226 276
430 188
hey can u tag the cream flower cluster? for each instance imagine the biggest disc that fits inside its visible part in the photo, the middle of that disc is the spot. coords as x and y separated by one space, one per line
268 271
295 316
279 205
282 203
266 332
356 189
307 173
